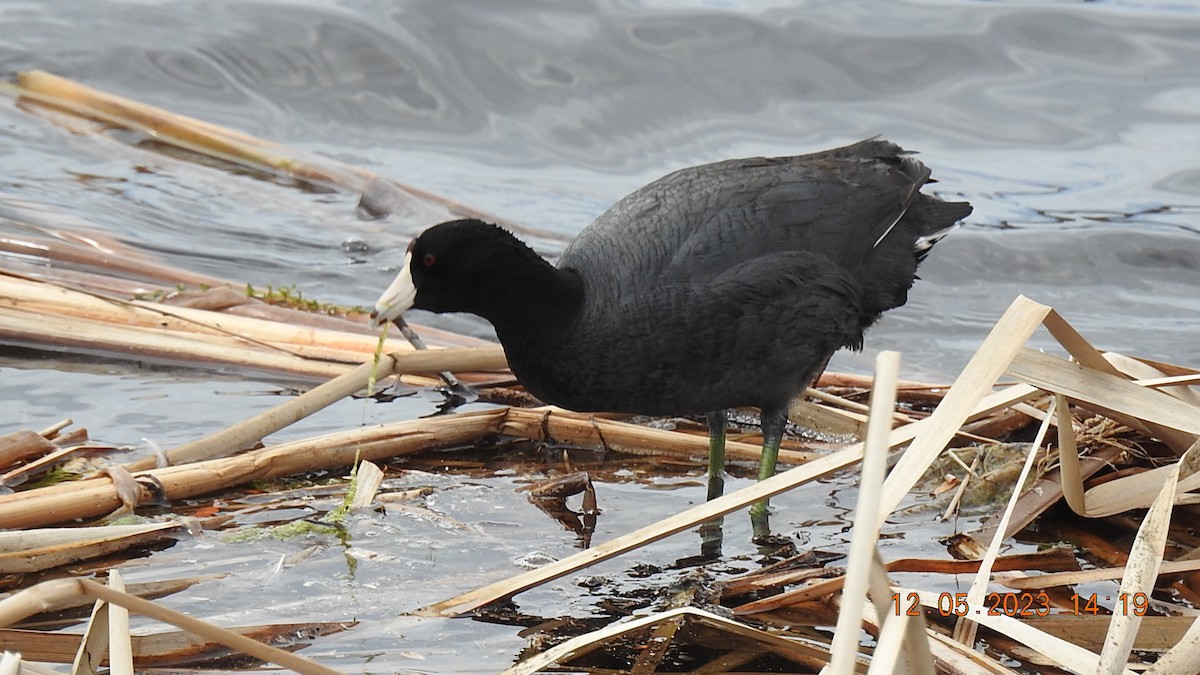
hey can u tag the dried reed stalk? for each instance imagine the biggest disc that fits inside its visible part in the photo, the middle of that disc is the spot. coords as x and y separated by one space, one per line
1115 396
48 315
11 663
185 132
1183 657
86 244
1146 375
864 537
555 424
198 473
215 141
21 473
27 602
96 497
560 655
1086 355
965 629
1066 654
82 335
1040 581
367 479
49 298
93 644
120 651
1141 570
777 484
901 638
246 433
987 365
26 551
1061 558
22 446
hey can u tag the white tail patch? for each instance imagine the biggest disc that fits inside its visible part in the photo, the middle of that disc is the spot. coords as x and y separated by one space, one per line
923 244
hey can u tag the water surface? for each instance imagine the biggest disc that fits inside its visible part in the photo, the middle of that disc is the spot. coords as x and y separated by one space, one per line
1072 127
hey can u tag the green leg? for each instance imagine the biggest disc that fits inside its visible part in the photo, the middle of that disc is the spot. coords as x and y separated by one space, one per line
711 534
773 422
716 453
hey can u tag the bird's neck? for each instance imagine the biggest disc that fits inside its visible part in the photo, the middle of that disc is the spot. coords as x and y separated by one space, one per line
531 297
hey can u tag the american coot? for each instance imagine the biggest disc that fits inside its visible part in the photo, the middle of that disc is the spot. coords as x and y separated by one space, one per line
722 285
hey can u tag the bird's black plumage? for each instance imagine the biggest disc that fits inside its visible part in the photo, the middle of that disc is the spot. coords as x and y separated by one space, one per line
722 285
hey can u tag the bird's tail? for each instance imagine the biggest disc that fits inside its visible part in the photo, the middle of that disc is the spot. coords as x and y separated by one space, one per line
936 219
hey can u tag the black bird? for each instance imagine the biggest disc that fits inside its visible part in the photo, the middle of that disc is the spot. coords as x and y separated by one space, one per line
717 286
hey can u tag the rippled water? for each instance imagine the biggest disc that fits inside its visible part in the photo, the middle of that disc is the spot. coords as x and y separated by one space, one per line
1073 128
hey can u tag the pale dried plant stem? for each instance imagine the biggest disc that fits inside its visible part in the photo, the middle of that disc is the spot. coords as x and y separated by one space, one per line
864 536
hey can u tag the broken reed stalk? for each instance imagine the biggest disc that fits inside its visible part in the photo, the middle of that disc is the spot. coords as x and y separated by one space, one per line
34 550
85 245
96 497
1091 576
23 446
1064 653
864 537
153 343
53 430
149 590
29 601
82 335
692 517
1146 375
93 644
251 431
11 663
571 428
999 348
34 600
50 315
1087 355
853 406
368 477
954 658
1135 491
36 466
965 630
120 651
1141 570
185 132
159 647
718 627
56 92
1134 405
1054 559
51 298
1183 657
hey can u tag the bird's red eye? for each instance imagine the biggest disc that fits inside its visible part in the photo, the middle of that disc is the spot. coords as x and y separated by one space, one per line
429 259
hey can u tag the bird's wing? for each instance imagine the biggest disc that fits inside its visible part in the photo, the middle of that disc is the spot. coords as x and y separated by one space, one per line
698 222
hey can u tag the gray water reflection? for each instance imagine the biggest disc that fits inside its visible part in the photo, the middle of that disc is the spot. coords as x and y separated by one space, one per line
1040 116
1072 127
